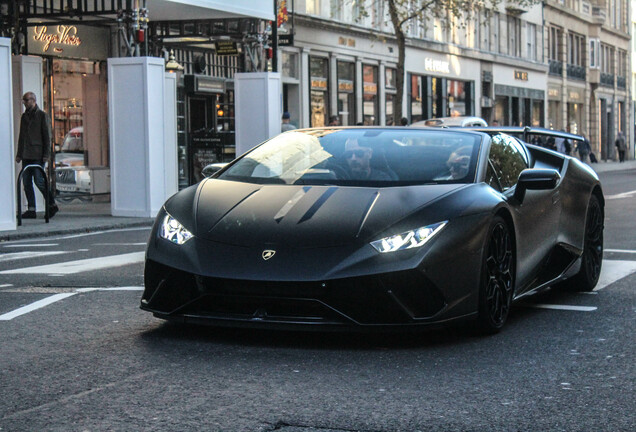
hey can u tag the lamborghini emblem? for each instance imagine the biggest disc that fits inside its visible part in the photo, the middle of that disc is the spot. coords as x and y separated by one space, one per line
268 253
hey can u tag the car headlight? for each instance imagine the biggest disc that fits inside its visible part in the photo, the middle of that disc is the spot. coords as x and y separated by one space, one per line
173 231
407 240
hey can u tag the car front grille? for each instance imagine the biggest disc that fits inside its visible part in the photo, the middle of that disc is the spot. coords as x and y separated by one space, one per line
393 298
65 176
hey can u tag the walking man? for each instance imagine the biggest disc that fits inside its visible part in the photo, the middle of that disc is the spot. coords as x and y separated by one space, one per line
34 147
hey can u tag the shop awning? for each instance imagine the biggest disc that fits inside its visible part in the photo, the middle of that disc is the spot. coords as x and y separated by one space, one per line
174 10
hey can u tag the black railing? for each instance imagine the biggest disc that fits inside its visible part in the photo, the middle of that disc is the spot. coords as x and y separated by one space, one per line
621 82
576 72
46 191
72 8
607 80
556 67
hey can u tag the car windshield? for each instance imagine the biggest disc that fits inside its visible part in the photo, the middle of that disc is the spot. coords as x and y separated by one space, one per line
380 157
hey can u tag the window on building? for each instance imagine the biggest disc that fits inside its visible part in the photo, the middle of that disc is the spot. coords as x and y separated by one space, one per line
514 36
346 93
531 41
319 71
555 35
312 7
595 53
576 44
370 94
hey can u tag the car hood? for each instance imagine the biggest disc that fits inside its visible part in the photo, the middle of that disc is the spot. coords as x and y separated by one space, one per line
245 214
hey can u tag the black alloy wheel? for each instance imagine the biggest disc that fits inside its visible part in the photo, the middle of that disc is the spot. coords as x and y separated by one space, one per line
498 278
592 257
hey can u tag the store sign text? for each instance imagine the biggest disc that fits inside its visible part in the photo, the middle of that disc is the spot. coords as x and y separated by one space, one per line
433 65
66 35
521 75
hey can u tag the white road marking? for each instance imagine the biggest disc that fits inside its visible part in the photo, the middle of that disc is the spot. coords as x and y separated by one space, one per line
57 297
119 244
71 267
126 288
31 245
621 195
34 306
30 254
562 307
625 251
614 270
6 285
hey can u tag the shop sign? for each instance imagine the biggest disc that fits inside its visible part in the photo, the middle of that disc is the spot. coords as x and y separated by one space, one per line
438 66
345 86
204 84
68 41
318 83
370 88
521 75
575 95
226 48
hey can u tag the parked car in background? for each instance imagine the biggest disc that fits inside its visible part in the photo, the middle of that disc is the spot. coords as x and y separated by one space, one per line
71 175
460 121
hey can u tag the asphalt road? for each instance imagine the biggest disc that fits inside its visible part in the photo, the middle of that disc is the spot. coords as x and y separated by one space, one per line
92 361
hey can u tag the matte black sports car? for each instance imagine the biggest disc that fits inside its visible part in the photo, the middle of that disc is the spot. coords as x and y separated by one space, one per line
376 227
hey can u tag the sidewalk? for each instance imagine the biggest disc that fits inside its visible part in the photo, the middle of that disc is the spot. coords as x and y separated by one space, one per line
78 217
75 217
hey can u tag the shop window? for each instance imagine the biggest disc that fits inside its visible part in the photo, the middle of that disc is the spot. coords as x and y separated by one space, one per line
416 98
319 71
370 94
457 98
346 93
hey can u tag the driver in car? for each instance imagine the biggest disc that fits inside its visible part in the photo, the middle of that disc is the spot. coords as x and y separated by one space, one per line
458 163
359 162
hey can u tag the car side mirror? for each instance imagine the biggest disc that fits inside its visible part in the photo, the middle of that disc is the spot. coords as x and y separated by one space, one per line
212 168
536 179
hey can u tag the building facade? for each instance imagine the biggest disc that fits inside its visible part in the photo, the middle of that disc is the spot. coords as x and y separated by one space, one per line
493 67
588 46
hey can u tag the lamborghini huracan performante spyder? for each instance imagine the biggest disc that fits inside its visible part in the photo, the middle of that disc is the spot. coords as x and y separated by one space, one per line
374 227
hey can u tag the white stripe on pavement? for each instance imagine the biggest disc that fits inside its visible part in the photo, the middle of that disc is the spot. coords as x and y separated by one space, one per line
34 306
71 267
57 297
561 307
621 195
30 254
625 251
31 245
614 270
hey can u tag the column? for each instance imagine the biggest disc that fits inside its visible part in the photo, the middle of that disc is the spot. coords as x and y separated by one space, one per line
7 150
137 118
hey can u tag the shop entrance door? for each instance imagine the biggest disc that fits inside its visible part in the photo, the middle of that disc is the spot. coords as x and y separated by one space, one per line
76 100
210 131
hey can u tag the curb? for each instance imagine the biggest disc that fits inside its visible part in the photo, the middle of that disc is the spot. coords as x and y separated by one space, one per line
16 235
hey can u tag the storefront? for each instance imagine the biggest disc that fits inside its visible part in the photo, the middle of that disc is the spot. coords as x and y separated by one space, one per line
516 104
432 96
75 97
209 122
575 110
318 91
555 111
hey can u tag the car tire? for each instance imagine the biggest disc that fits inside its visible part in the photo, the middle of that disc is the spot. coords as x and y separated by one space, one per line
497 278
592 257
